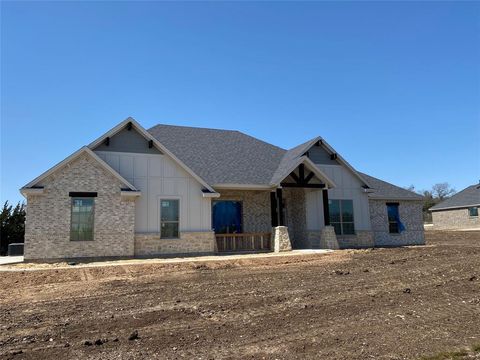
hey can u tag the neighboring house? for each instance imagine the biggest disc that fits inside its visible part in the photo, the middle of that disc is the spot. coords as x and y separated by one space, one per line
178 190
459 211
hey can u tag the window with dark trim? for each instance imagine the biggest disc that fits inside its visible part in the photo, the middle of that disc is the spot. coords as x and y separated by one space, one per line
82 219
341 216
473 211
394 224
169 218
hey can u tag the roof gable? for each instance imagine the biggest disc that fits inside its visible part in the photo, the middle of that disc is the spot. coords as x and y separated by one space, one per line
304 148
127 139
154 142
68 160
319 155
289 165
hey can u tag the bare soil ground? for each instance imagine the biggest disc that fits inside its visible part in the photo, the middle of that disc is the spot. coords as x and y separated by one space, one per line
399 303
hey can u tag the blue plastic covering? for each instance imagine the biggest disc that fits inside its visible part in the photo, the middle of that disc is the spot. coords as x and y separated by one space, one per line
227 217
393 213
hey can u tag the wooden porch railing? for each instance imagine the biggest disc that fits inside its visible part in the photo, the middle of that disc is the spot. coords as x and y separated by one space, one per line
243 242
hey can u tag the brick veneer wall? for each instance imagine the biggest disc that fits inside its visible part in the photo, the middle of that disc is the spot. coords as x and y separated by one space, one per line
47 228
410 216
454 219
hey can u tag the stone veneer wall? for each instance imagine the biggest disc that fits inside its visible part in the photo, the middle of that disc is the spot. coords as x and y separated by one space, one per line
328 238
189 243
255 207
281 239
296 218
454 219
313 239
47 227
361 239
410 216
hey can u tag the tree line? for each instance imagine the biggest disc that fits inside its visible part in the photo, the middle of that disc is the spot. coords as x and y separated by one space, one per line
435 195
12 225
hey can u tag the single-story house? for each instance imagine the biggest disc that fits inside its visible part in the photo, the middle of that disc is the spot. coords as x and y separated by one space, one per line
459 211
185 190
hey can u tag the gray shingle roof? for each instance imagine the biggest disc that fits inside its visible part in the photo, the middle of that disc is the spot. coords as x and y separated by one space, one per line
221 156
231 157
385 190
465 198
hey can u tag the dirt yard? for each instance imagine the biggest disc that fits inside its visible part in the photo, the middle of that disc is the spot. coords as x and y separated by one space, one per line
402 303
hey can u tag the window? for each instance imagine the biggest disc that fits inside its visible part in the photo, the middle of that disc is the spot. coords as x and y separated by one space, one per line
169 219
341 216
395 226
227 216
473 211
81 224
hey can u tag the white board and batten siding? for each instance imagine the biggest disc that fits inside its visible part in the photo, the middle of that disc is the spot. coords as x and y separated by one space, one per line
159 177
349 187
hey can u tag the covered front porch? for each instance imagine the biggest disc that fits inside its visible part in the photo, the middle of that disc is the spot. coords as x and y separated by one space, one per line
271 219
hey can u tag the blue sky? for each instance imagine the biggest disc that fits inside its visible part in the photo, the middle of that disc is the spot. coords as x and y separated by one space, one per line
393 86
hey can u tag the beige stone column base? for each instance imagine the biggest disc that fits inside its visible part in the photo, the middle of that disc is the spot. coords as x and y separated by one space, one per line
328 238
281 240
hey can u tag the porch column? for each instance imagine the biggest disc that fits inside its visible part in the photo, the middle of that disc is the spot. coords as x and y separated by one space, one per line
273 209
326 211
328 238
281 220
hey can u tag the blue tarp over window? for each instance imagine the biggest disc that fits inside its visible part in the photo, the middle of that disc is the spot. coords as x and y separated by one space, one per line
394 215
227 217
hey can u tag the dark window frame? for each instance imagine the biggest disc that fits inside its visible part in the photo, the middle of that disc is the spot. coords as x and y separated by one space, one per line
474 210
169 221
72 232
393 225
342 222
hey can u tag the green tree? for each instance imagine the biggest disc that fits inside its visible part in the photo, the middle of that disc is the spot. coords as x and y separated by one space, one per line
428 202
437 194
12 225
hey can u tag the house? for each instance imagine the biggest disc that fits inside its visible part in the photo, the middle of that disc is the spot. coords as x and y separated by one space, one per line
459 211
184 190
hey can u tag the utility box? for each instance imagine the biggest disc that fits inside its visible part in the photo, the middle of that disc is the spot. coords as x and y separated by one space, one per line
15 249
